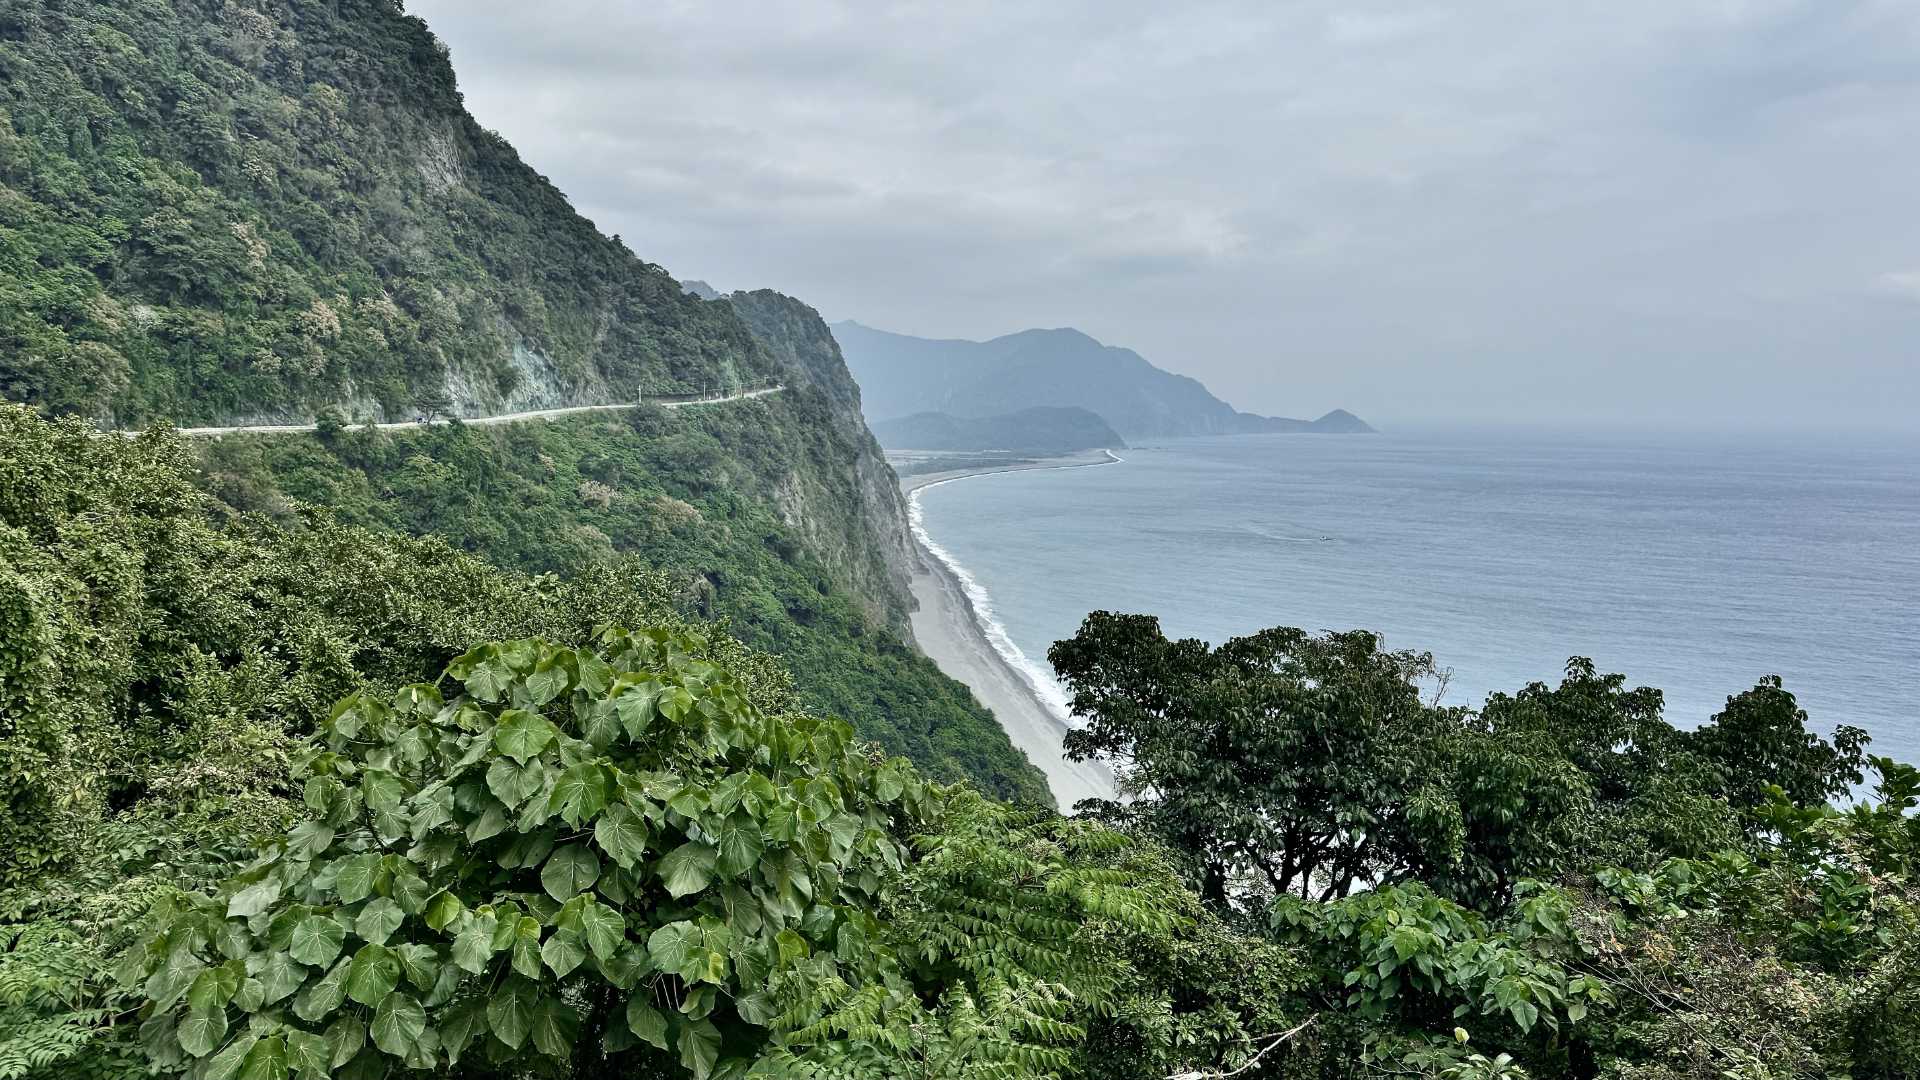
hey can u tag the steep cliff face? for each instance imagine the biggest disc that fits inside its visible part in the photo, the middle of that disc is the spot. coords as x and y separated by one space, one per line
234 211
879 552
245 210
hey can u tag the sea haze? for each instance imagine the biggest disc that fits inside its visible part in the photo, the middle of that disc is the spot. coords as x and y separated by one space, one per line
1695 564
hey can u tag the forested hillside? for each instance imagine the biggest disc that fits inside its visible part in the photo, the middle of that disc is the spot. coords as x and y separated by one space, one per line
712 497
231 212
590 750
220 211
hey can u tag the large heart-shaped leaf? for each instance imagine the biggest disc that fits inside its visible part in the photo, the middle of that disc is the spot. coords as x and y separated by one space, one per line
278 977
549 679
622 834
378 920
375 972
317 940
513 783
382 790
398 1024
580 793
521 734
443 910
309 839
526 947
460 1025
510 1012
563 952
214 987
569 872
699 1047
687 868
554 1028
253 899
739 844
345 1037
485 676
474 945
678 948
604 928
420 963
646 1021
308 1054
202 1031
266 1061
317 1001
354 880
634 706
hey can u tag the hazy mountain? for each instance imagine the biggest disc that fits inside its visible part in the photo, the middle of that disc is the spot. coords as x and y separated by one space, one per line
900 375
1039 430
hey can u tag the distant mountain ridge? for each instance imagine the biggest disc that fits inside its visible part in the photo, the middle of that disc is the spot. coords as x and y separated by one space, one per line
1043 429
900 375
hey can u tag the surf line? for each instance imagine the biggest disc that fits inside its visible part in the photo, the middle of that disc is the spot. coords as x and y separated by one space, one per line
980 602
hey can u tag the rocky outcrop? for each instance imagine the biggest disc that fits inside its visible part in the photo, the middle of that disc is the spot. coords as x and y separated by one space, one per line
847 507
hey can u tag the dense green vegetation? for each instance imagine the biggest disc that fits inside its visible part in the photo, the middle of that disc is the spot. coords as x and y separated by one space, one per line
529 843
217 209
687 492
571 750
1576 884
225 211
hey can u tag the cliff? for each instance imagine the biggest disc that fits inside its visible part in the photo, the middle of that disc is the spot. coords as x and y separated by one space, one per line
240 212
246 211
878 554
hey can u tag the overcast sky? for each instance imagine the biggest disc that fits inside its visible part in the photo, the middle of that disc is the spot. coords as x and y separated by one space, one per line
1631 210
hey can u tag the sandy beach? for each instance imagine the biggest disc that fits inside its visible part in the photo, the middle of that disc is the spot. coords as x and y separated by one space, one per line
951 636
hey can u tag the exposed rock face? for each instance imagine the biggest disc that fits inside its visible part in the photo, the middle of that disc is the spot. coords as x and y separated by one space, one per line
334 231
875 549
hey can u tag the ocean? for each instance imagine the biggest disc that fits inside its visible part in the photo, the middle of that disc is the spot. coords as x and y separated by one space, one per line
1693 563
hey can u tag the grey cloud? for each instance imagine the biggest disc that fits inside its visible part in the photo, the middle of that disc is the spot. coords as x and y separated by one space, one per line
1650 209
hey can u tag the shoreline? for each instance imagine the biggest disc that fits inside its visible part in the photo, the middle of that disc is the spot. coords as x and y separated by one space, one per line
950 630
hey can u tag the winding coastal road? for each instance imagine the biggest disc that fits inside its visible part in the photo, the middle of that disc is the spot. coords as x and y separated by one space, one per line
502 418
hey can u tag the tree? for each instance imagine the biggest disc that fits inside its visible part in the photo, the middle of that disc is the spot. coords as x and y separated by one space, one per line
1281 762
602 860
431 403
1761 738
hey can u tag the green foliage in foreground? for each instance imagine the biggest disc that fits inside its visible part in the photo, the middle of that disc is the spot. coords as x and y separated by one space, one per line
1575 884
581 856
573 851
609 862
158 665
597 862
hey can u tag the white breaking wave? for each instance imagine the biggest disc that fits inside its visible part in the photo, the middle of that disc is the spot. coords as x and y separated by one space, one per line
1049 692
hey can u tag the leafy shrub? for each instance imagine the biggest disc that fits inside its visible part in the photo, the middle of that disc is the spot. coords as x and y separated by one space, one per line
583 855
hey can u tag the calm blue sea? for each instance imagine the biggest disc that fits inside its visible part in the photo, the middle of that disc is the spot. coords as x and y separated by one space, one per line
1695 564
